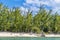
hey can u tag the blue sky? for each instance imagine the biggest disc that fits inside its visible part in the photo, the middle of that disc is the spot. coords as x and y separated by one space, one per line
33 4
12 3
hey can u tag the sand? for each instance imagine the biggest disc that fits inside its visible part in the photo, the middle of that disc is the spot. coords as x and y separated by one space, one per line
9 34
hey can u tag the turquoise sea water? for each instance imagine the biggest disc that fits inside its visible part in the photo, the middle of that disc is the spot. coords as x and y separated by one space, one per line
29 38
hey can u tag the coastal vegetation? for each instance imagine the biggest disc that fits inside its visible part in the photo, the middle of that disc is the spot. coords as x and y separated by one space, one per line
12 20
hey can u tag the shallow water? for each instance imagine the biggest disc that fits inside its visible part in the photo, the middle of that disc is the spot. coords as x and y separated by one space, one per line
29 38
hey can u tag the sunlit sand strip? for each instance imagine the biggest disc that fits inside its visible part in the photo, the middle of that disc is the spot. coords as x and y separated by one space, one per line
9 34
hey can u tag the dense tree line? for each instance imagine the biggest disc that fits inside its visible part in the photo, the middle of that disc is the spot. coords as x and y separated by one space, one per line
12 20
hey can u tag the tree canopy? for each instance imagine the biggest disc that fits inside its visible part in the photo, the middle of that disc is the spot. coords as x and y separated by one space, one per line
12 20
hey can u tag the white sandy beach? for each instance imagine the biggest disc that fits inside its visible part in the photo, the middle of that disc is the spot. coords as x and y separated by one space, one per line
9 34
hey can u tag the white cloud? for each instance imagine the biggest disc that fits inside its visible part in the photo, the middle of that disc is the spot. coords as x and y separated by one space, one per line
34 8
36 2
57 1
23 10
29 1
55 4
32 1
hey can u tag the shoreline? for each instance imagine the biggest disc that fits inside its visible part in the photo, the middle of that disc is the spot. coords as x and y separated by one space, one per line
10 34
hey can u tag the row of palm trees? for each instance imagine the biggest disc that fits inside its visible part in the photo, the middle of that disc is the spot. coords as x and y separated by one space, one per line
12 20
